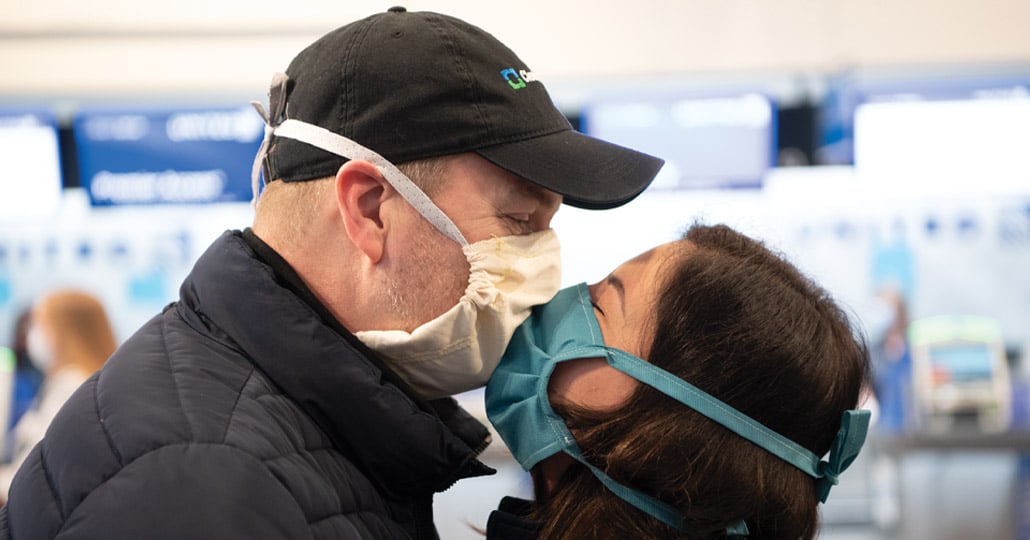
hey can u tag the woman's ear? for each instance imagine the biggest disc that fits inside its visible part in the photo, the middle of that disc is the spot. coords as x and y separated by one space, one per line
360 192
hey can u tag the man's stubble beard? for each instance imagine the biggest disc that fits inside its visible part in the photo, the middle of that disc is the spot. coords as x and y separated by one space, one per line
434 277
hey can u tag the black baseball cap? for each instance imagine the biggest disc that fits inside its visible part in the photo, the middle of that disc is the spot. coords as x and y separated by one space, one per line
415 85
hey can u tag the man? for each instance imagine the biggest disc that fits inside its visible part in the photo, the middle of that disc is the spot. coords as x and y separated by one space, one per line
287 394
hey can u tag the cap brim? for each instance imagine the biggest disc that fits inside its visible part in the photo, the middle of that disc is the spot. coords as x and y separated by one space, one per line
587 172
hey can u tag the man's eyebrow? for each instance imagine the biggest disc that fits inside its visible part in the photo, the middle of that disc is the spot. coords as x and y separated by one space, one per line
620 288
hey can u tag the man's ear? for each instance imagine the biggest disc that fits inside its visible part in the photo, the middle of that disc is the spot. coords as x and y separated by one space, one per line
360 192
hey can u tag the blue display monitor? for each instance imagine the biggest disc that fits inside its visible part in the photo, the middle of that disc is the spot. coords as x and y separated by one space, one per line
962 362
167 156
707 142
847 92
29 151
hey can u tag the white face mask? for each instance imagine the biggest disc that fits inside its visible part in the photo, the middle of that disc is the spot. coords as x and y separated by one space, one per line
41 353
458 350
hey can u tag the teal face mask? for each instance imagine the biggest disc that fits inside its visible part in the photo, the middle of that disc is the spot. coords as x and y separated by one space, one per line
566 328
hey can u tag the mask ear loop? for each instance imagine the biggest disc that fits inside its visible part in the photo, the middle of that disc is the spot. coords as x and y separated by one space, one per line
656 508
651 506
843 451
342 146
275 116
276 124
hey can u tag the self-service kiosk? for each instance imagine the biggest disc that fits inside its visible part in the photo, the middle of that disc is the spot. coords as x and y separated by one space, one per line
961 378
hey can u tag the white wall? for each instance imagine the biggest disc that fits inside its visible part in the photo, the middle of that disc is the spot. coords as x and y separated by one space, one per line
65 48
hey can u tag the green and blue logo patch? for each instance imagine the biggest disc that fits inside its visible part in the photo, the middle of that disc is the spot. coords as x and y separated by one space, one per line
517 79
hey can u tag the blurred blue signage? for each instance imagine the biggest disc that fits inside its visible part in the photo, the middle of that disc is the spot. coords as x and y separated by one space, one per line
16 117
725 141
167 156
846 92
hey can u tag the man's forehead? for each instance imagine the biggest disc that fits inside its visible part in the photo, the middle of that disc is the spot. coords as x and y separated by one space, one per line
495 182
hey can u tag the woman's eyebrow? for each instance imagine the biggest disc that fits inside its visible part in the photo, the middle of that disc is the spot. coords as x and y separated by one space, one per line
620 288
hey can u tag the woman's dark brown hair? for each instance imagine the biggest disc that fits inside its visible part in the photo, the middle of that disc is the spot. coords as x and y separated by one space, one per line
741 323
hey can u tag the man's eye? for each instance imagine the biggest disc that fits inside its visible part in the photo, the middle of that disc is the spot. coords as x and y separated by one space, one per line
597 307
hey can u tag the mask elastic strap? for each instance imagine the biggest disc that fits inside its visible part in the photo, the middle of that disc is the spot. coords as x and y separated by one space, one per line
273 117
341 146
661 511
843 451
664 512
649 505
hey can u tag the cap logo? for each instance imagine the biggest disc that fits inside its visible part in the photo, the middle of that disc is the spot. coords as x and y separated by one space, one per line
517 79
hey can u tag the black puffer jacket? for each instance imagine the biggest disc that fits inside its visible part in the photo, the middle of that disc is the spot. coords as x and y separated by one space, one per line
242 411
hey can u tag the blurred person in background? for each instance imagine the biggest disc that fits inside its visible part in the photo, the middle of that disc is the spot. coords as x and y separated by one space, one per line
886 324
27 377
68 338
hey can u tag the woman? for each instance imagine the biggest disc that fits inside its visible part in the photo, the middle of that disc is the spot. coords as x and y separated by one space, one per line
27 377
69 339
751 374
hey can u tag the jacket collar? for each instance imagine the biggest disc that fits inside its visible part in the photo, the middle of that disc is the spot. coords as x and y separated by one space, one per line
510 521
244 288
